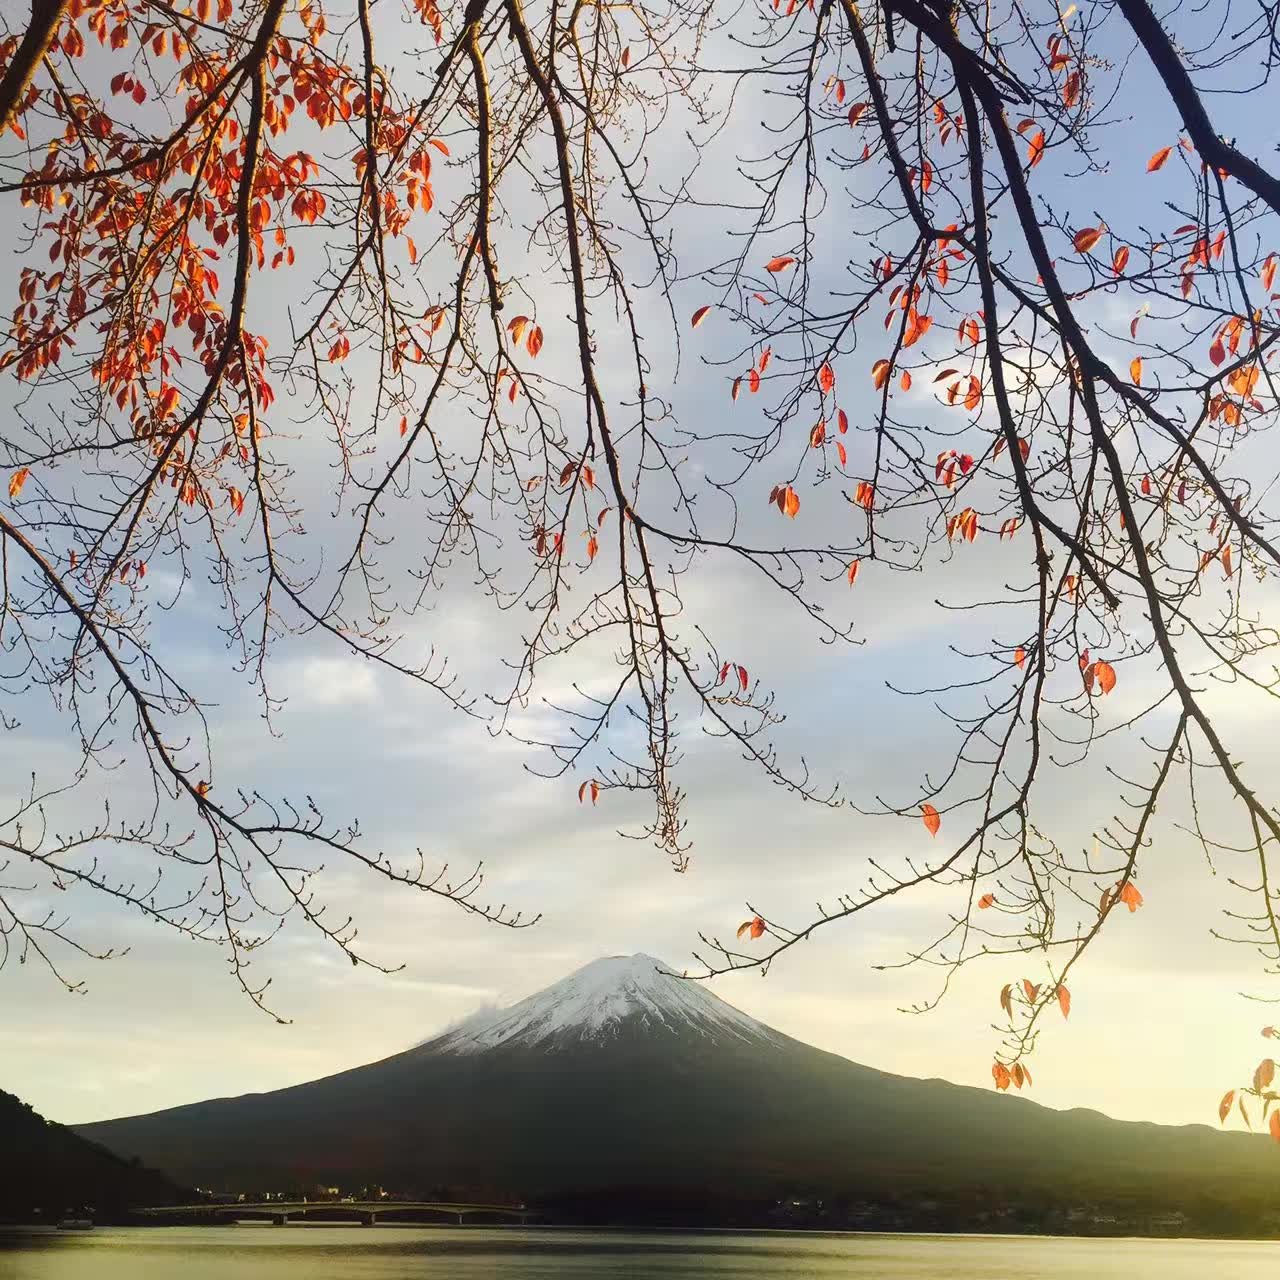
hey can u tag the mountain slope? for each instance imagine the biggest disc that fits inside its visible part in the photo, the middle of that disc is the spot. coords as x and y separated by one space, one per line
46 1167
623 1077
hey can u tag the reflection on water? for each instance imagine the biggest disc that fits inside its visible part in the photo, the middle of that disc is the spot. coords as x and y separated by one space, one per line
399 1253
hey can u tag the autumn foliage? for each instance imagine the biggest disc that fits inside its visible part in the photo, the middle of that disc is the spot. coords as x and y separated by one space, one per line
427 248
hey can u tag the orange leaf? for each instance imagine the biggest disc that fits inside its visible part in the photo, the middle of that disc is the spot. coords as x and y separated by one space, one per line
852 575
826 378
1105 674
533 343
775 265
1224 1107
1157 160
1131 897
1035 148
1121 260
754 926
880 373
1226 560
1273 1125
17 480
855 112
974 396
1268 274
1086 239
1006 999
516 328
699 316
1135 370
1264 1075
1019 656
987 900
590 785
1000 1074
929 816
1064 1000
1031 990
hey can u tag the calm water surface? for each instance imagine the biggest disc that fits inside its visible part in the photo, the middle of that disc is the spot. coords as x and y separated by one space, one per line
401 1253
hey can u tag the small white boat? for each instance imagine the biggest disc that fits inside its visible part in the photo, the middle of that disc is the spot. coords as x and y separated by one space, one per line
75 1224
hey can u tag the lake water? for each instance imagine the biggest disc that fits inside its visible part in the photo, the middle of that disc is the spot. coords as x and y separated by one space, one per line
406 1253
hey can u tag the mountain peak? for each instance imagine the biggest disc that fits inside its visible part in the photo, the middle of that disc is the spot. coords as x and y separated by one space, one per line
604 1001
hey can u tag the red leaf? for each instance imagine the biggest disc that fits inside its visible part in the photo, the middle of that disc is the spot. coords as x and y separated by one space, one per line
852 575
929 816
699 316
826 378
1086 239
775 265
855 112
1157 160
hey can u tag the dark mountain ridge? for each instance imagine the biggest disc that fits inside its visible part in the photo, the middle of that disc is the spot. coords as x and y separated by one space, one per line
48 1170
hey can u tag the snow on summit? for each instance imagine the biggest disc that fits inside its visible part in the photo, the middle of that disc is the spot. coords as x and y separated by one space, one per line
602 1001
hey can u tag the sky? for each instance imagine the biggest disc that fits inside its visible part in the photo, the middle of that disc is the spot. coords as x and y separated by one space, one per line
1157 1032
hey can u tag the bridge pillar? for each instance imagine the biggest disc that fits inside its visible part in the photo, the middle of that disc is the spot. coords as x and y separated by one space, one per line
368 1219
279 1219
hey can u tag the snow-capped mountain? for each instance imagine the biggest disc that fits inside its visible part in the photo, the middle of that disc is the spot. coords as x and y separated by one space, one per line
623 1080
608 999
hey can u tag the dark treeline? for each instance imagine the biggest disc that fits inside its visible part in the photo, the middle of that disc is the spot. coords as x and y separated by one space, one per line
47 1171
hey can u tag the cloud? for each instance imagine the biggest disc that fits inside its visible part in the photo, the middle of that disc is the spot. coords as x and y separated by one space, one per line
327 682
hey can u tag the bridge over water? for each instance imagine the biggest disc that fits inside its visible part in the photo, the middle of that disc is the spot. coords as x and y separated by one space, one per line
368 1212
